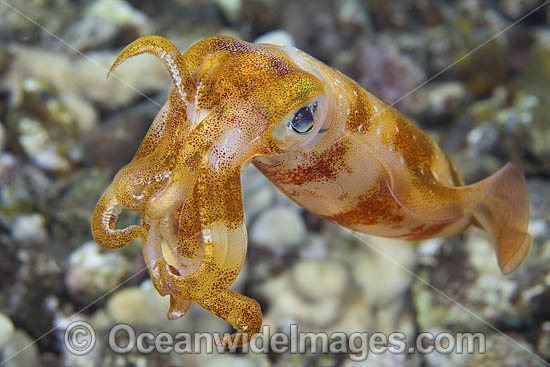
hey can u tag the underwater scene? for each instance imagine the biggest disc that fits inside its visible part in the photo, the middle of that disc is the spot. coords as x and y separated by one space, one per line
274 183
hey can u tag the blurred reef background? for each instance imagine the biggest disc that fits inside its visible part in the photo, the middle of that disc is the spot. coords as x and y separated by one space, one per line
65 130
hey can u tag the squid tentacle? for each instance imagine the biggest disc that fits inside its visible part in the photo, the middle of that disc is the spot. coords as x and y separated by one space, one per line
184 238
140 179
240 311
184 172
220 250
178 308
104 220
139 176
168 53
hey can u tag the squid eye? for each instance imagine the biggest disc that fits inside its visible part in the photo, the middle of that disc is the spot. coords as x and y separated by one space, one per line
303 119
298 127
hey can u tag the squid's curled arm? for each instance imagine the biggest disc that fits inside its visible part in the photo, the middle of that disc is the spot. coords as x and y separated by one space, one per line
104 220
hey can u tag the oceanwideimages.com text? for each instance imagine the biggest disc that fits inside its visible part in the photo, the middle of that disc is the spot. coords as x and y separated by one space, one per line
80 338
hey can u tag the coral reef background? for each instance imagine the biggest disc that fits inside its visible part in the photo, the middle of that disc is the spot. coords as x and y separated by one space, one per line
65 130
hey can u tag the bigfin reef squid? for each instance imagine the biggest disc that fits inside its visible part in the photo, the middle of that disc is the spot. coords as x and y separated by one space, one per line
328 144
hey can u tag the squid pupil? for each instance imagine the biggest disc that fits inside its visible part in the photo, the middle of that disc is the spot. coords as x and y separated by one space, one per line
303 119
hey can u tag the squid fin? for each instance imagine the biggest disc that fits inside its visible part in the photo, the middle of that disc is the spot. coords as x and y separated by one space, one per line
498 203
504 214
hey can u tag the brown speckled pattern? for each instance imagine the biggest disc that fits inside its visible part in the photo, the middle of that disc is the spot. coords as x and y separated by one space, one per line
363 165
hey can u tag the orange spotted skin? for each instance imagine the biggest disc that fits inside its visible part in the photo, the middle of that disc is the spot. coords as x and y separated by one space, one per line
328 144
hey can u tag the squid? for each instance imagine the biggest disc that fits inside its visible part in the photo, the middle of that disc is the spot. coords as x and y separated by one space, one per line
328 144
